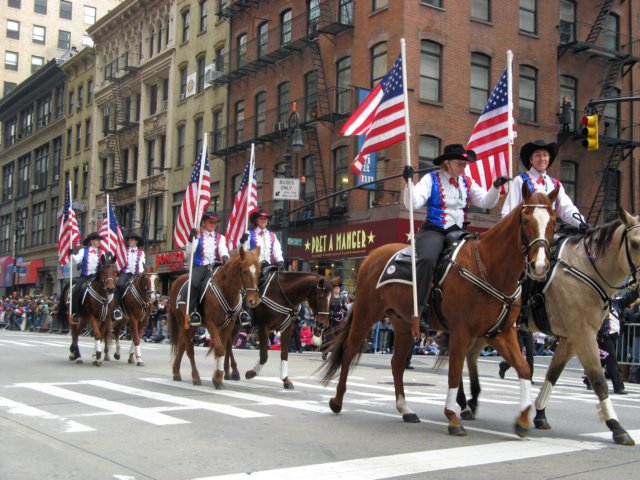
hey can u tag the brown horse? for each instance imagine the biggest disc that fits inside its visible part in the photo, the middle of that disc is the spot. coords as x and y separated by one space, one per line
589 270
95 308
137 303
221 304
283 294
473 304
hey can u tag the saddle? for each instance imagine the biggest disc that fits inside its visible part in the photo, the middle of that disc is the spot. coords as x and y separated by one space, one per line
182 294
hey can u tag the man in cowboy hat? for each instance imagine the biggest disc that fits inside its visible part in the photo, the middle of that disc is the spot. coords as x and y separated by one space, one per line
537 157
134 264
87 259
209 249
447 194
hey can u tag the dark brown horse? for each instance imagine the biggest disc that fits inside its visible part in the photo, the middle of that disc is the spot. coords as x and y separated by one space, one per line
283 294
95 309
137 303
221 304
473 304
589 271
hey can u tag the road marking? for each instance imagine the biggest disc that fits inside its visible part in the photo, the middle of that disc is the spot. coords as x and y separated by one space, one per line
17 408
143 414
182 401
391 466
607 435
22 344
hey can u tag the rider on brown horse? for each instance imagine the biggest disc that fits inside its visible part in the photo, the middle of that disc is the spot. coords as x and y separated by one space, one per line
134 265
87 259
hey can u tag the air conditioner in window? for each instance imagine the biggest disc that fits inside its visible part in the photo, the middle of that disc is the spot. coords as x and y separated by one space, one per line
85 168
211 75
34 187
279 126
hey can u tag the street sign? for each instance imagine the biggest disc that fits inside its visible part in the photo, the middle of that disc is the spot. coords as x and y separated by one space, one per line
286 189
297 242
21 270
19 260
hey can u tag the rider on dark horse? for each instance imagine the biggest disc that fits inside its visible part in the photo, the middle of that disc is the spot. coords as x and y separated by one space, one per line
134 264
270 250
87 259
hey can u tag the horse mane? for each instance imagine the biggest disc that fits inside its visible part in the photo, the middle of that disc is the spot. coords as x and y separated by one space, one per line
597 240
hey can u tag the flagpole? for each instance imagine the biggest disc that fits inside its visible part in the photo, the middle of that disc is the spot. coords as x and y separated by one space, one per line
252 161
415 321
510 111
70 317
192 236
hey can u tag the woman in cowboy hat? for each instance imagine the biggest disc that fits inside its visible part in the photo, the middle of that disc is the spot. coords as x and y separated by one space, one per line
135 260
537 157
87 260
209 249
261 236
447 194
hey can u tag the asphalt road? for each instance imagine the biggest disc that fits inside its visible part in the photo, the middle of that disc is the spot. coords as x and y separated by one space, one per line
68 421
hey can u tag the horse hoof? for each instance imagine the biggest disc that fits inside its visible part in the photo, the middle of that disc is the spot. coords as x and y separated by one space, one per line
250 374
78 360
288 385
335 408
72 357
197 381
177 378
467 414
139 363
623 439
457 431
107 358
97 363
116 356
227 377
235 376
541 424
520 430
131 361
410 418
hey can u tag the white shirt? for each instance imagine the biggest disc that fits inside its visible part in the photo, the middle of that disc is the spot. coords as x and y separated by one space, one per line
92 259
267 243
135 264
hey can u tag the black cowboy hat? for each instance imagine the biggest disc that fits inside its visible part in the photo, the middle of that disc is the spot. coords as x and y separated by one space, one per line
455 152
209 216
91 236
528 148
136 236
261 212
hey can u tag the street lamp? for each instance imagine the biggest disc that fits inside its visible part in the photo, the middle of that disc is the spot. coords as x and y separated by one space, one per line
18 227
294 141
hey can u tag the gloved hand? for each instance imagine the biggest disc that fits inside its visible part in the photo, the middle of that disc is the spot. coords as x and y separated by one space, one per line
584 227
244 237
498 182
191 247
280 266
225 259
407 173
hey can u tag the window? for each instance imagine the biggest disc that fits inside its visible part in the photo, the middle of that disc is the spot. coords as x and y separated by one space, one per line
611 194
569 88
80 96
569 177
204 7
309 185
87 133
41 166
313 17
480 69
428 149
238 132
7 182
57 157
180 142
218 131
153 99
37 227
7 87
13 29
341 176
430 71
263 39
36 63
78 137
89 15
198 126
21 236
343 85
5 233
185 26
378 4
311 96
215 197
66 9
528 88
567 21
89 91
11 61
378 63
433 3
183 83
345 15
261 116
242 49
39 35
69 141
163 151
611 116
481 10
283 102
151 147
40 6
64 39
528 21
611 29
14 3
24 164
53 221
285 27
71 102
200 77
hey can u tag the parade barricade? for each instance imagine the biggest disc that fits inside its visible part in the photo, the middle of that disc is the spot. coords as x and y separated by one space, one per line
629 344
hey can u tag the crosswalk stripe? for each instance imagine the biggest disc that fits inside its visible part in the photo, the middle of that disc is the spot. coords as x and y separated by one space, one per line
17 408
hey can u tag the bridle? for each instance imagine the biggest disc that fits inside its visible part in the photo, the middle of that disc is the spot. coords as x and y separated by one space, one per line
136 294
538 241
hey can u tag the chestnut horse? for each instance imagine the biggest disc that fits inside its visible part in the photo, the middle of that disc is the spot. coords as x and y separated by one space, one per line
577 301
472 303
278 310
137 303
221 304
95 308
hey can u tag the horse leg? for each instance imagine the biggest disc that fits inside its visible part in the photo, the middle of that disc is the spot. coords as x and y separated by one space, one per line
135 355
458 345
468 408
219 353
116 333
285 338
507 344
402 343
589 357
559 360
230 366
177 360
263 338
74 349
187 346
97 337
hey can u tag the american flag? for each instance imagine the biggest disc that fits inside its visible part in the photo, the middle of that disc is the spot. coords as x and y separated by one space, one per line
69 234
112 239
381 117
193 205
490 137
245 203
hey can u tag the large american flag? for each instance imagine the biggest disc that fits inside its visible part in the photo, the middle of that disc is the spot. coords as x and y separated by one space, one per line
244 204
112 239
490 137
193 205
69 233
381 117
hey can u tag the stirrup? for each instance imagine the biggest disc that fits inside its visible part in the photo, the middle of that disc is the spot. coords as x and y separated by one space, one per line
75 319
244 318
117 314
195 319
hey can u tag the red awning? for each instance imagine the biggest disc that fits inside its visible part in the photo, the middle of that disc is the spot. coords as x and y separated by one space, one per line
31 275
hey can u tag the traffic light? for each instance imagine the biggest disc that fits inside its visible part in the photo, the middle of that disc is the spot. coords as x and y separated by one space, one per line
590 132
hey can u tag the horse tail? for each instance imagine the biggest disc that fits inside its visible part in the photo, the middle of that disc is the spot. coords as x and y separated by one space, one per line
173 329
337 347
443 350
62 305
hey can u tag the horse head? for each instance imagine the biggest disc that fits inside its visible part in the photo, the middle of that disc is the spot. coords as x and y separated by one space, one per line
537 224
319 301
107 272
149 286
247 264
631 239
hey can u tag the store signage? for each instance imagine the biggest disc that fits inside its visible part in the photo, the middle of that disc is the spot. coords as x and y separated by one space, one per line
348 242
170 261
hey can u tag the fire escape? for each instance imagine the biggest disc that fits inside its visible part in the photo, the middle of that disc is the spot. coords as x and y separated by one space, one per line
622 52
325 106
